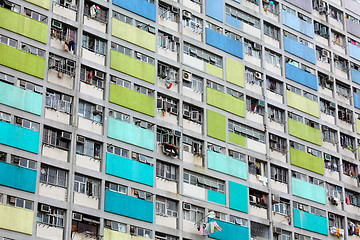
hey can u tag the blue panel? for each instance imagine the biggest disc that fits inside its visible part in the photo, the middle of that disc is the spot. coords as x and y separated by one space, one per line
310 222
308 191
140 7
129 169
238 197
215 9
297 24
19 137
128 206
355 75
216 197
17 177
298 49
354 51
224 43
233 21
130 133
230 231
357 100
300 76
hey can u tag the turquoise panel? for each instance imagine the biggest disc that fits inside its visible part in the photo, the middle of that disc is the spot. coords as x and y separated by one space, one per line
308 191
129 169
130 133
230 231
128 206
17 177
225 164
216 197
238 197
25 100
19 137
310 222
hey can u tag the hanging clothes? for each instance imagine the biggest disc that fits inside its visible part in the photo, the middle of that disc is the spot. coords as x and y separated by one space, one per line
214 227
347 200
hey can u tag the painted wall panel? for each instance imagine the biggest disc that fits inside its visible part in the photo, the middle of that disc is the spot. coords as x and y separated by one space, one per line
234 72
357 122
299 49
226 164
22 61
25 100
304 132
215 9
308 191
18 137
225 101
303 4
130 99
17 177
216 197
351 5
216 125
131 66
130 133
353 27
128 206
20 24
133 34
129 169
302 103
306 161
224 43
41 3
140 7
310 222
236 139
238 197
354 51
236 23
355 75
300 76
230 231
16 219
297 24
214 70
357 100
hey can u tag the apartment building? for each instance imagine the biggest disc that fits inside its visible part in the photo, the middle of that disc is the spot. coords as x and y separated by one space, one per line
152 119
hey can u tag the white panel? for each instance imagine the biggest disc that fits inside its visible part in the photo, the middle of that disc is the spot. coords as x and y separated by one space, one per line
89 125
193 62
277 155
330 146
331 174
275 125
48 232
95 24
352 209
251 30
250 5
88 162
166 221
343 99
91 90
64 12
191 158
282 187
273 42
188 92
189 227
254 88
168 24
57 43
319 38
54 192
255 146
192 5
193 126
65 81
327 118
57 116
280 218
259 212
192 33
194 191
55 153
323 65
81 236
334 22
91 56
166 185
347 152
251 59
85 200
169 118
168 53
254 117
350 180
337 47
274 96
272 68
271 15
344 125
174 88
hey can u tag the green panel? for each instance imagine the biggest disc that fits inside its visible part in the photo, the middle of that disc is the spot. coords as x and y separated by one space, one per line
225 101
216 197
22 61
133 34
234 72
131 66
357 121
304 132
23 25
41 3
16 219
25 100
216 125
237 139
302 103
130 99
226 164
306 161
214 70
238 197
308 191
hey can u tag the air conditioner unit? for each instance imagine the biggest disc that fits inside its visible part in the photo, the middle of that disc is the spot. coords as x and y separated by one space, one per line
219 29
174 9
173 111
325 53
325 128
77 216
66 98
300 207
331 216
186 14
138 55
257 46
212 59
70 63
80 139
187 76
327 156
56 24
186 113
99 74
309 150
275 198
330 79
12 199
252 159
66 135
258 75
176 133
187 206
332 105
98 109
132 230
261 103
216 149
277 230
273 137
237 38
45 208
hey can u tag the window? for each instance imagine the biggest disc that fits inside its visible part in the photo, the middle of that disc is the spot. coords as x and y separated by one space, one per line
255 106
144 90
311 123
121 82
349 169
88 147
335 221
242 16
28 86
62 65
257 198
121 49
281 208
353 198
71 5
53 176
192 145
203 55
22 162
329 135
122 17
343 90
118 151
333 191
62 31
142 158
168 12
194 23
341 63
193 82
321 30
252 49
339 39
11 6
335 14
273 58
95 12
19 202
309 209
162 236
345 114
58 101
256 167
192 213
50 215
8 41
347 141
26 123
277 143
301 237
272 8
168 41
253 77
232 35
7 78
237 155
116 226
325 81
331 162
167 104
166 207
215 86
142 57
141 194
140 231
93 44
90 111
92 77
239 221
34 15
297 146
166 171
203 181
274 85
192 113
295 117
3 156
271 31
168 72
276 114
33 50
56 138
119 116
87 185
246 131
116 187
308 179
87 224
216 148
327 107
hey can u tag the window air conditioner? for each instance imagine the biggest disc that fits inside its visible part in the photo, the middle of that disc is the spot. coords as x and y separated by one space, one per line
276 198
56 24
66 135
98 109
277 230
80 139
77 216
174 9
258 75
99 74
187 76
186 14
45 208
186 206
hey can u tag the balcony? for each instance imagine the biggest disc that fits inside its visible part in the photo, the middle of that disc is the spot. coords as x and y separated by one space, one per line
55 153
304 132
88 162
166 185
91 90
93 56
310 222
128 206
300 76
86 200
299 49
303 104
45 231
230 231
25 100
57 116
139 7
238 197
61 79
17 177
225 102
116 235
308 191
19 137
224 43
297 24
129 169
90 125
16 219
192 158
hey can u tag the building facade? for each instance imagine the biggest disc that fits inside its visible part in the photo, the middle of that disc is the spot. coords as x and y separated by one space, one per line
152 119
